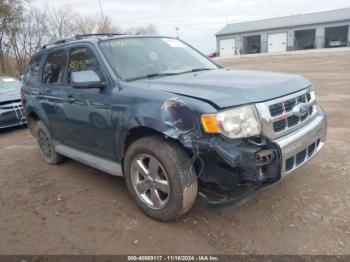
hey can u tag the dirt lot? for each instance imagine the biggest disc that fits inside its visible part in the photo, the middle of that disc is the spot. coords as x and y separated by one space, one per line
73 209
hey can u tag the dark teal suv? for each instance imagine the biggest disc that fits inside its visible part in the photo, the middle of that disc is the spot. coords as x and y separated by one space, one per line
174 123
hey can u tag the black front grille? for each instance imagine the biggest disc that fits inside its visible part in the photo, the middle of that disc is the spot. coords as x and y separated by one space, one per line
279 125
301 99
311 108
311 149
289 104
284 107
300 157
308 96
289 163
276 109
302 118
292 121
318 141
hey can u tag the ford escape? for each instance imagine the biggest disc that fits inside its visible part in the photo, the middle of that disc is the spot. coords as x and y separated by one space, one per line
171 121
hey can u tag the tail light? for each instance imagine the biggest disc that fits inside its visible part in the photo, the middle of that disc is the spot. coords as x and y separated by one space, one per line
23 99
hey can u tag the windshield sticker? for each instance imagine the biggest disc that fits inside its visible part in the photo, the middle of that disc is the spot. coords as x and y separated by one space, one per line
153 56
123 43
173 42
77 64
8 80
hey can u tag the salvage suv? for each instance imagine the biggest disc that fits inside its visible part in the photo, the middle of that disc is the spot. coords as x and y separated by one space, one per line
171 121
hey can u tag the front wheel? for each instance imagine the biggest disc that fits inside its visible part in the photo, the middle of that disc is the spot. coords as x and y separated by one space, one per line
159 178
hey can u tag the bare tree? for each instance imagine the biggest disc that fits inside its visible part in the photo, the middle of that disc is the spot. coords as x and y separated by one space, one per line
10 13
61 19
85 25
148 29
24 29
105 25
26 34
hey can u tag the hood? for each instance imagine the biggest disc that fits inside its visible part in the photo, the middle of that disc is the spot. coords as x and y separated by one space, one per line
226 88
9 95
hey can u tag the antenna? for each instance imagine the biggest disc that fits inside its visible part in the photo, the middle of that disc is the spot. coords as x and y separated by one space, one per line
99 2
177 31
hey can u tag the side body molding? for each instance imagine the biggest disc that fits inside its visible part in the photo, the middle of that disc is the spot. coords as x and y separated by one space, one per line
99 163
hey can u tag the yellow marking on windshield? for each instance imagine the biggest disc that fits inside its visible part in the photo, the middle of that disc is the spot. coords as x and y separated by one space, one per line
123 43
77 63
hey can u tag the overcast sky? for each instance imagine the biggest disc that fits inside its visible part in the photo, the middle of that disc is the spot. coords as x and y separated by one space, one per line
198 20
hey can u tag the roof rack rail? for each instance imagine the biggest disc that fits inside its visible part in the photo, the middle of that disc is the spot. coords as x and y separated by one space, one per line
77 37
99 34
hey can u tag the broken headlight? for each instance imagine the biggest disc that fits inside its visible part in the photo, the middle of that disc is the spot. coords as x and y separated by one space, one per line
237 122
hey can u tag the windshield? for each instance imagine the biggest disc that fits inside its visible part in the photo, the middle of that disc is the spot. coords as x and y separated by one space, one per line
9 84
137 58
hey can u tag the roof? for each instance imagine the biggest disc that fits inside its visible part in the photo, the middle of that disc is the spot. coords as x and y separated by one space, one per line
78 37
91 38
287 21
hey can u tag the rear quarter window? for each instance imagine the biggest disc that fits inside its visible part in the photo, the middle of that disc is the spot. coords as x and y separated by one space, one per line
32 72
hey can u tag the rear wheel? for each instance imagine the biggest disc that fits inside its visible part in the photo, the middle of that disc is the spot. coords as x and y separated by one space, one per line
46 146
159 178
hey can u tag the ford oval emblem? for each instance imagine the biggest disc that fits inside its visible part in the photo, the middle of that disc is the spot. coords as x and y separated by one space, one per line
301 109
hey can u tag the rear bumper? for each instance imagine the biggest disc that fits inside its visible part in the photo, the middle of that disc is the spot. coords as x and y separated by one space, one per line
299 147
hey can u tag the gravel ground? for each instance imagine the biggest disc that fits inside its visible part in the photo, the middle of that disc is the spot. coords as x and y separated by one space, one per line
73 209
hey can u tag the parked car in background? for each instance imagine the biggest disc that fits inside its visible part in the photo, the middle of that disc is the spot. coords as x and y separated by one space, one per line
11 113
212 55
337 43
170 120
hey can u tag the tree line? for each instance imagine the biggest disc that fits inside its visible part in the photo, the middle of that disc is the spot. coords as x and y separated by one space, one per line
24 29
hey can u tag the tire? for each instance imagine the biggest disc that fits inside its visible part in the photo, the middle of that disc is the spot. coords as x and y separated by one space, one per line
45 144
173 167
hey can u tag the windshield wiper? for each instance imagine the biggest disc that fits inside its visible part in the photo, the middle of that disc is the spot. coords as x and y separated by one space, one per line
150 76
200 69
195 70
167 74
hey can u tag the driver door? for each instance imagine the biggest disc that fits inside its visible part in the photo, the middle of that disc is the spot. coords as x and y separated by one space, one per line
89 114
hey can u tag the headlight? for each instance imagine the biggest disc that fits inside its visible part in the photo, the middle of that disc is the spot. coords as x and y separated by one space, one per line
234 123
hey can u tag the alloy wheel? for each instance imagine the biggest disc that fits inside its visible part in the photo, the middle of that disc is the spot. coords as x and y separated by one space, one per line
150 181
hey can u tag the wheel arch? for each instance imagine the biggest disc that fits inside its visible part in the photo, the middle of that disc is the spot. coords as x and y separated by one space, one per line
139 132
32 118
35 113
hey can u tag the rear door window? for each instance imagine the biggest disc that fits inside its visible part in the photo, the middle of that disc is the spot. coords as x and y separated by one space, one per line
54 68
32 72
81 59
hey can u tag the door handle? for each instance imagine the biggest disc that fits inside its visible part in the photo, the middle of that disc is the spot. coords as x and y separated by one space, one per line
70 100
51 98
36 94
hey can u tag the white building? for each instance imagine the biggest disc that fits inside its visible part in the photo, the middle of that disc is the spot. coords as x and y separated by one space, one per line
306 31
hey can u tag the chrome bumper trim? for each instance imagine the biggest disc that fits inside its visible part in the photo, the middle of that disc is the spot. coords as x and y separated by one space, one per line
293 143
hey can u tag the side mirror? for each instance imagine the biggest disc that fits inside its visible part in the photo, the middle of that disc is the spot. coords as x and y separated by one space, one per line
86 79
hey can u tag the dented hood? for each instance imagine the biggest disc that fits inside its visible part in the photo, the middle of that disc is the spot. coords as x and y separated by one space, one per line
226 88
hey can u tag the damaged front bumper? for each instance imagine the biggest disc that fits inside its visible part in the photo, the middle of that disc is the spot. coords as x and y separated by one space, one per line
255 164
11 114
